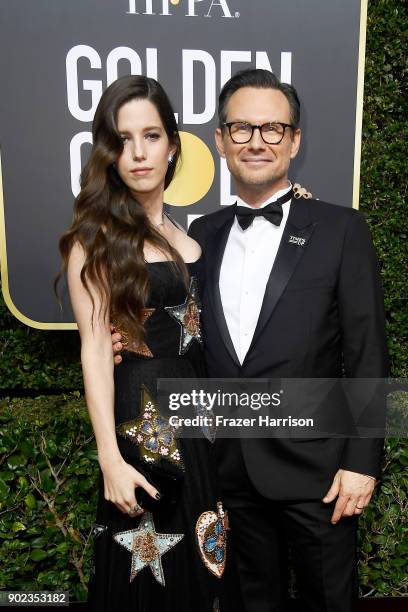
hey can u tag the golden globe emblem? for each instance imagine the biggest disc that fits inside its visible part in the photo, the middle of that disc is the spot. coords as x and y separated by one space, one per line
194 173
175 2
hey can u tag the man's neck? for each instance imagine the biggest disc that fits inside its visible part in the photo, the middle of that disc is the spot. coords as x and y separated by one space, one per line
255 196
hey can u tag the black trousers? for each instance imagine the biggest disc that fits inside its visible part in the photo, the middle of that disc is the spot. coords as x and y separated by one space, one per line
262 530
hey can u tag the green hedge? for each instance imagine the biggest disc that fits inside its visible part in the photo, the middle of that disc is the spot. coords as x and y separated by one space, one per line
384 162
48 463
48 475
48 471
37 360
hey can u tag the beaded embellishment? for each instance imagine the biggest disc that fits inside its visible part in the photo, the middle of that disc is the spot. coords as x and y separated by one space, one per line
139 349
211 534
152 433
147 547
188 316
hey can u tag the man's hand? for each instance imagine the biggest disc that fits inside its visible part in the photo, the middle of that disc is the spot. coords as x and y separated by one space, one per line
117 345
354 492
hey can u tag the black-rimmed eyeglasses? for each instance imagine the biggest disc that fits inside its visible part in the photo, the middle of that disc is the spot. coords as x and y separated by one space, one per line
271 132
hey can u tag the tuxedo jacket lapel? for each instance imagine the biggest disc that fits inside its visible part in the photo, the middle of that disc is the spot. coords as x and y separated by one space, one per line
296 236
216 247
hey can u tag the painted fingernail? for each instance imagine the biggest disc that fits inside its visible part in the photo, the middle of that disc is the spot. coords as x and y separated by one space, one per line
158 496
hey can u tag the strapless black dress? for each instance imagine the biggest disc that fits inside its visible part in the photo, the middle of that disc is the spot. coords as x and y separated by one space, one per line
138 571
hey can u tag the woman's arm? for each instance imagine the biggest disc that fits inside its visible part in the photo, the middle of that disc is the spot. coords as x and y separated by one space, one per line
120 478
97 366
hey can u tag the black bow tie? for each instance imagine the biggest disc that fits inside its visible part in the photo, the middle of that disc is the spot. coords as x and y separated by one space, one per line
272 212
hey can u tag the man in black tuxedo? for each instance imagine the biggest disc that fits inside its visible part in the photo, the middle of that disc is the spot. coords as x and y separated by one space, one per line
291 289
276 306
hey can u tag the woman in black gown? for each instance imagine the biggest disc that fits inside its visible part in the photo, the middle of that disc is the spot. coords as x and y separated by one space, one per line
130 265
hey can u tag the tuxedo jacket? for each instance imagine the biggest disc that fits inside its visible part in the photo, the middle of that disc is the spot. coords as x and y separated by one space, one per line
322 316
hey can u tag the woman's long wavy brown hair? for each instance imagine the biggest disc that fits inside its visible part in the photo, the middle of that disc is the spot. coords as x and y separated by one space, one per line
110 225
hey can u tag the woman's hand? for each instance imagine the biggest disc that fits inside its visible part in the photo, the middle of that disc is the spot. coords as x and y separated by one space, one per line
117 345
120 480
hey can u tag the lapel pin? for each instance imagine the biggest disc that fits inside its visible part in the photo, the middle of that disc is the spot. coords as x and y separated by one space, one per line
297 240
301 192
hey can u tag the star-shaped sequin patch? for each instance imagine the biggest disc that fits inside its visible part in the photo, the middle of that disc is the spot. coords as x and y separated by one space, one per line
147 547
140 348
188 316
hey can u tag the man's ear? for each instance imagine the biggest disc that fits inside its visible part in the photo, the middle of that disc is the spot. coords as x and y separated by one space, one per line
219 142
295 143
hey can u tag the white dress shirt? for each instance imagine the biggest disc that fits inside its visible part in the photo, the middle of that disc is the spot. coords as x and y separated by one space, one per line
247 263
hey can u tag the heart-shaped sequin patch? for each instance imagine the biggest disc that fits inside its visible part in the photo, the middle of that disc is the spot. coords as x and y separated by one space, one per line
211 534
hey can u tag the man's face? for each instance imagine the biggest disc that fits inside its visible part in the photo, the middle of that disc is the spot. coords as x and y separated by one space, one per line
258 165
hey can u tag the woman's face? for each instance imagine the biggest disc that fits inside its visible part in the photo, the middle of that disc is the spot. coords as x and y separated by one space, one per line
143 163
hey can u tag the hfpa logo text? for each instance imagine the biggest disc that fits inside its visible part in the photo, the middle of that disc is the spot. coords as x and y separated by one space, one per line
195 8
